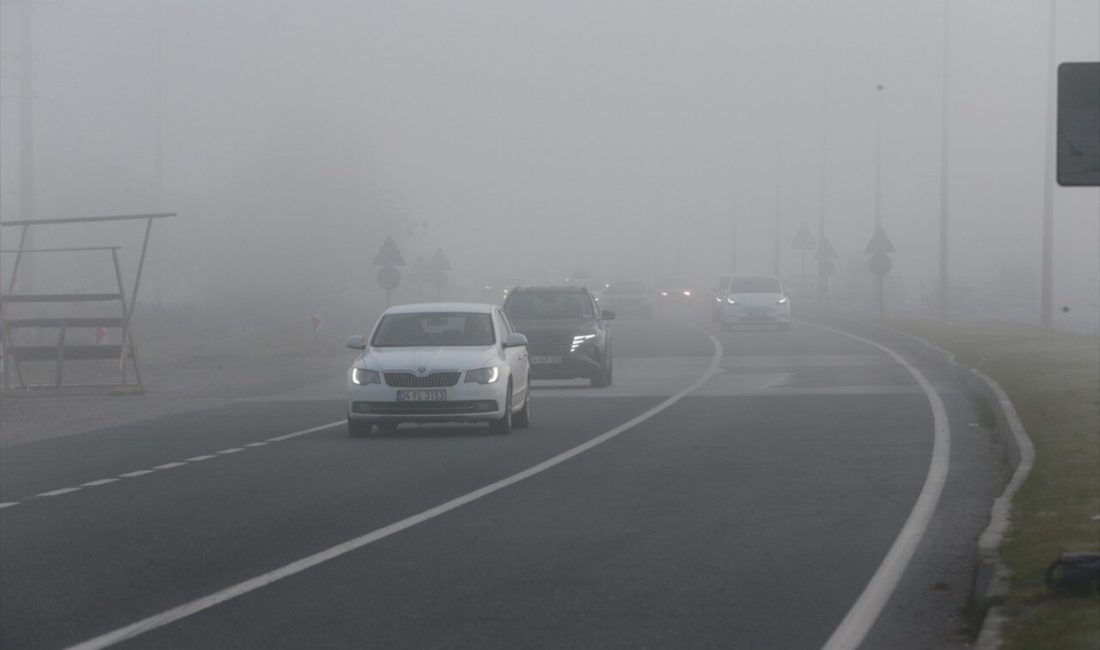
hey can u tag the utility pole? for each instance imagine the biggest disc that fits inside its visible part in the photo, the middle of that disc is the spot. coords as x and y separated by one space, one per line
944 132
1046 301
26 134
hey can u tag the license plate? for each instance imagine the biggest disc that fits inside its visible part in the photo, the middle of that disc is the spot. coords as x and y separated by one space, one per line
758 313
545 360
421 396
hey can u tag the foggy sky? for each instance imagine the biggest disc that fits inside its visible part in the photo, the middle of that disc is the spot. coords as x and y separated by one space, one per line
633 138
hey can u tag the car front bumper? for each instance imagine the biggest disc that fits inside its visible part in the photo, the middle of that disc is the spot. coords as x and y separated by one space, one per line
376 404
748 315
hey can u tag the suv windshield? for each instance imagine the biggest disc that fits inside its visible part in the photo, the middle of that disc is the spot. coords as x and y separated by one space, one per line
544 305
755 285
433 329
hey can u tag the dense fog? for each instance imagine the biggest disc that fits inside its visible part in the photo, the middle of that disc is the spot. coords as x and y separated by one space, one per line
632 139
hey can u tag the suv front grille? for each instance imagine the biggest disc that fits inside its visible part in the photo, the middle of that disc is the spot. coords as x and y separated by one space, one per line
548 344
432 380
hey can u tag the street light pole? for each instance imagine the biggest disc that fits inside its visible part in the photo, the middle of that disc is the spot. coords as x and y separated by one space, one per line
26 133
1046 301
944 133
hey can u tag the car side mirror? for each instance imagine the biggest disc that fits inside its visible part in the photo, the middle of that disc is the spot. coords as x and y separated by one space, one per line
356 342
607 314
515 340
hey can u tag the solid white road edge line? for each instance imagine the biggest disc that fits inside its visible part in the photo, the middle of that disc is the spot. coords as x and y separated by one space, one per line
241 588
862 616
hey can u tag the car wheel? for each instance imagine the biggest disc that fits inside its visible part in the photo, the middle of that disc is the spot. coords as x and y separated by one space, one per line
522 420
358 429
503 426
388 427
603 378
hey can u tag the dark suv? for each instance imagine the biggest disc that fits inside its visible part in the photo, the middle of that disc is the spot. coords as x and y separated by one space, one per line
567 334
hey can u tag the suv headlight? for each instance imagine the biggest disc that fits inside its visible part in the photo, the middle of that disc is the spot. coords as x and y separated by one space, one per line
580 338
781 301
483 375
364 376
731 301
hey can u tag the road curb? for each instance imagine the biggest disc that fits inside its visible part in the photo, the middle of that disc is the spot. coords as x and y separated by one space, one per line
991 575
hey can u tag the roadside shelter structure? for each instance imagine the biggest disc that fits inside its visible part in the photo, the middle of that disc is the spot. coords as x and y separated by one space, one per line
62 352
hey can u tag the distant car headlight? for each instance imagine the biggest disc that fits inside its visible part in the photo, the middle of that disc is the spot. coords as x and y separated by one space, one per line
483 375
781 301
718 299
664 293
364 376
731 301
687 292
581 338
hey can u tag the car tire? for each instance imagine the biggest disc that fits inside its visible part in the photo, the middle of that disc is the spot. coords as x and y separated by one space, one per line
358 429
522 420
603 378
388 427
503 426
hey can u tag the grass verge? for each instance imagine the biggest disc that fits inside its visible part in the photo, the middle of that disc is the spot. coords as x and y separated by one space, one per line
1053 379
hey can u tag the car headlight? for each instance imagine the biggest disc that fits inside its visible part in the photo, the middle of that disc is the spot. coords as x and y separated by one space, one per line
364 376
664 293
781 301
483 375
731 301
581 338
687 293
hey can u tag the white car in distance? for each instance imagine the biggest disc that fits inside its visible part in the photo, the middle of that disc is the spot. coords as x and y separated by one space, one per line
439 362
754 300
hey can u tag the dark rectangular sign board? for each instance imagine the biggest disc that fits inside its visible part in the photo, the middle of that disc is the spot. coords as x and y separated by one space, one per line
1079 124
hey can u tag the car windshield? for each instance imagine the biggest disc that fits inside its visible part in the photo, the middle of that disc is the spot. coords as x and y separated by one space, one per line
755 285
433 330
548 305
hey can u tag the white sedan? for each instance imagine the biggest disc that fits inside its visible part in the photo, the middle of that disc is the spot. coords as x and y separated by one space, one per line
439 362
755 300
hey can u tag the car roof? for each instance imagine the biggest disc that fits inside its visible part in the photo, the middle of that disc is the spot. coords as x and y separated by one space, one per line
442 307
552 289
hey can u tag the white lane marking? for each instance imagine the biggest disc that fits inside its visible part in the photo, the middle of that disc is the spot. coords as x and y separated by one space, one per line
193 459
54 493
858 622
102 481
306 432
242 588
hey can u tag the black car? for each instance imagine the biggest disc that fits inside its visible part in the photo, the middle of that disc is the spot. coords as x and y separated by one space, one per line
567 334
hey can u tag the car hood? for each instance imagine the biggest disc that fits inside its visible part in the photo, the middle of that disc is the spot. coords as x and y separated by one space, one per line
556 326
413 359
756 299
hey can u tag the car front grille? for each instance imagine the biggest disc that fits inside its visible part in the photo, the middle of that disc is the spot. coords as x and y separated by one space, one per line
425 408
431 380
548 344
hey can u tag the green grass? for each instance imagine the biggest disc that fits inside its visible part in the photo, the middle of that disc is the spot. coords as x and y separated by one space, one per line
1053 379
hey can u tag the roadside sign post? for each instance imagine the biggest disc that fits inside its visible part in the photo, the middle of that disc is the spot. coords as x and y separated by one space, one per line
389 276
880 249
438 272
825 267
803 242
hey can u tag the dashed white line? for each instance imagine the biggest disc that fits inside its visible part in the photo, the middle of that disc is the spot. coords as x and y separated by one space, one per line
102 481
241 588
172 465
54 493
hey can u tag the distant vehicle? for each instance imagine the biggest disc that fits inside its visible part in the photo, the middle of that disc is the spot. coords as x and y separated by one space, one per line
567 333
676 291
720 290
439 362
629 299
755 300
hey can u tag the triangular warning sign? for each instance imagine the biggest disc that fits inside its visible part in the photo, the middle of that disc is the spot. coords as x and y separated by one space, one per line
440 262
388 255
803 239
880 243
824 250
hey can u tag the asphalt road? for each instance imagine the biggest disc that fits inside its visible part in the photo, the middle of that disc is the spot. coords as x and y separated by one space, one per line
749 514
